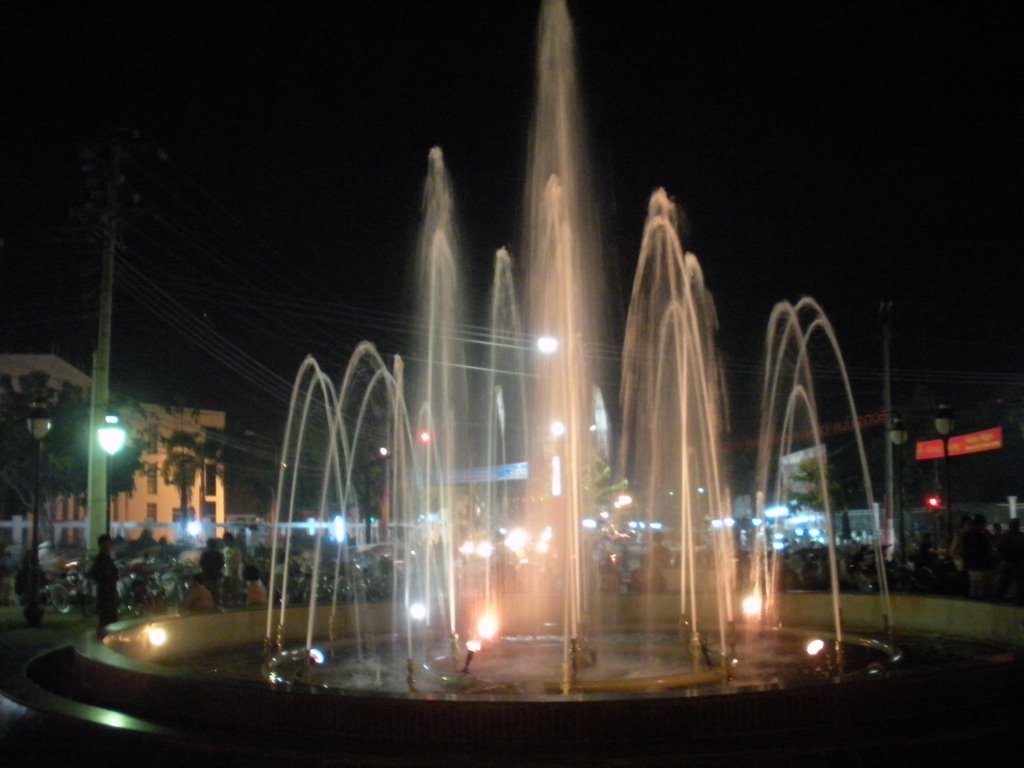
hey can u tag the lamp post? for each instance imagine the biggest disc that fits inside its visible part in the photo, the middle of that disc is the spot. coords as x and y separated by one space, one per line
111 436
944 426
898 436
39 427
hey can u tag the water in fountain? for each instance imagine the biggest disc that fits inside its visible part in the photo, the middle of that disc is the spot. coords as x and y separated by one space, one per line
518 442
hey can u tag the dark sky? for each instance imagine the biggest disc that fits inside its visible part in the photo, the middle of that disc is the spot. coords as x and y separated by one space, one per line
856 153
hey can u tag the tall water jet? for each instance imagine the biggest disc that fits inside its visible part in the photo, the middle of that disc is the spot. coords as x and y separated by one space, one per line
563 267
790 420
673 405
440 386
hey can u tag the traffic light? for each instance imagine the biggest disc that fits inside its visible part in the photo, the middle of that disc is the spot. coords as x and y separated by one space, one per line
933 502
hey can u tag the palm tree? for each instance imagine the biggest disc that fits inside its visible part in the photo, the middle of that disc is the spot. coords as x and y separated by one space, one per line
187 455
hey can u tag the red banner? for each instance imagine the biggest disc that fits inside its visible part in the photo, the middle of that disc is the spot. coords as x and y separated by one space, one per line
961 445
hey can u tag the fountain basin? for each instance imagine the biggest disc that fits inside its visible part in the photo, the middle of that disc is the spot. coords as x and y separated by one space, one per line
967 674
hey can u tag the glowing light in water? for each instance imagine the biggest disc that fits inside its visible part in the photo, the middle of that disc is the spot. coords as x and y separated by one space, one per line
157 636
752 606
487 627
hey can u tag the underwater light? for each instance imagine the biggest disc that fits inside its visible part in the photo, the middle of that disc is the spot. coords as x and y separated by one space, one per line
752 605
157 636
487 627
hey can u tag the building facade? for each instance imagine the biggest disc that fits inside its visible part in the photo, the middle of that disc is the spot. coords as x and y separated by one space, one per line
153 502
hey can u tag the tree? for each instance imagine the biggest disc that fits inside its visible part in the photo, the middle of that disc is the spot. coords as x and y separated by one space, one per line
188 454
65 457
812 496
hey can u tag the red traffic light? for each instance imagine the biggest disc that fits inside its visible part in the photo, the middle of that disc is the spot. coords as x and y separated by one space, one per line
933 502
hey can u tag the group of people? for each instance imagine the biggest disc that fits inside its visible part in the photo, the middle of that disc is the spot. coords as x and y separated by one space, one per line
992 561
222 581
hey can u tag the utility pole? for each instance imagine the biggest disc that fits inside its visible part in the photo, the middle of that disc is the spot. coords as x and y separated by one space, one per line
886 312
98 492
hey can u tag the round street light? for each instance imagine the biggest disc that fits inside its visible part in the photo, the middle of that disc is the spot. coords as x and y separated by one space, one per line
111 437
39 426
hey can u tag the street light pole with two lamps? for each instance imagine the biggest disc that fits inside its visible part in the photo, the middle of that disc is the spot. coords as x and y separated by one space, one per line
898 436
39 426
944 423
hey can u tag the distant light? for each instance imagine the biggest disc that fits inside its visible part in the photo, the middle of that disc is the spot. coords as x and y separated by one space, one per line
557 428
624 500
516 539
814 647
316 656
548 345
556 476
756 521
487 627
593 427
473 645
339 528
193 528
311 525
424 437
700 489
484 549
157 636
418 611
383 451
589 523
656 526
467 548
776 512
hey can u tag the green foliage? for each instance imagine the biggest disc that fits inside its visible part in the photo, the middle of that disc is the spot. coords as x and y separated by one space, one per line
187 454
64 469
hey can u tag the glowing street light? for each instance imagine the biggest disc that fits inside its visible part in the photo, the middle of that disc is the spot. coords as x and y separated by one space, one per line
111 437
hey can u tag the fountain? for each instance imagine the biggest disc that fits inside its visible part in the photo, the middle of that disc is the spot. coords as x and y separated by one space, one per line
505 625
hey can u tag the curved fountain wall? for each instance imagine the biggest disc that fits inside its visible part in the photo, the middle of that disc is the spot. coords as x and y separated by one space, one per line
128 674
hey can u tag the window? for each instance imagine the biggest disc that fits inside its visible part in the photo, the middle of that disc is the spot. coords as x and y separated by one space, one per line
210 487
151 511
151 479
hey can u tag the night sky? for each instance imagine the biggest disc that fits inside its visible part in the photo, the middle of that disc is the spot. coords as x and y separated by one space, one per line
856 153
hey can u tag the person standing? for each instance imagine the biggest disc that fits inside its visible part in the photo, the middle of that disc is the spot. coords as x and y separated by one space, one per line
1010 569
231 591
105 574
7 571
211 563
978 558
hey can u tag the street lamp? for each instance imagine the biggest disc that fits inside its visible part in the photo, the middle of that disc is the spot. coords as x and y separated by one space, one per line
898 436
39 427
944 426
111 437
